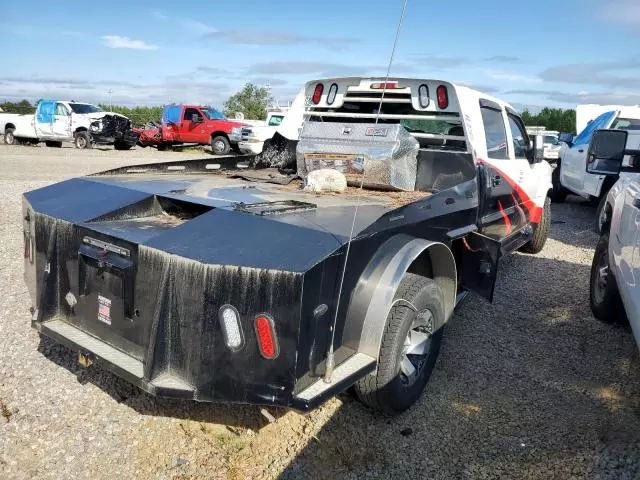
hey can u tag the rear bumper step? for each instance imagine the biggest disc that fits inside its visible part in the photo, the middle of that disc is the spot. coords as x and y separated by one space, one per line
123 365
344 374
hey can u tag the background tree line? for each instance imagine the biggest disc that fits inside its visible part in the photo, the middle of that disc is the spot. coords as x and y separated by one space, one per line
252 101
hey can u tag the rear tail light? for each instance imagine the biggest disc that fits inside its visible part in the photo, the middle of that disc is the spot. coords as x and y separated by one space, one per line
443 97
331 96
423 96
317 93
266 334
385 86
231 327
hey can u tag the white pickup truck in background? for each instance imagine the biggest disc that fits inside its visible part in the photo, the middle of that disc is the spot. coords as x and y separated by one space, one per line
551 143
57 121
571 176
285 121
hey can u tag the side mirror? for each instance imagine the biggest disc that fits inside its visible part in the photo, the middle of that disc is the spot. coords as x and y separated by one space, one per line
606 152
536 149
566 138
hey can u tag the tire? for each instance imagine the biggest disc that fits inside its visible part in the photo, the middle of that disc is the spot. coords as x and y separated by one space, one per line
541 231
601 215
82 140
604 297
220 145
53 144
164 147
390 389
122 146
9 137
558 192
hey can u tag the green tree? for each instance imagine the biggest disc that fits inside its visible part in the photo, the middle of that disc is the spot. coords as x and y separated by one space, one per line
23 106
252 101
562 120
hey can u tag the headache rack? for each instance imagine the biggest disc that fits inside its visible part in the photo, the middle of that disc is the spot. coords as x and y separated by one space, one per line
361 105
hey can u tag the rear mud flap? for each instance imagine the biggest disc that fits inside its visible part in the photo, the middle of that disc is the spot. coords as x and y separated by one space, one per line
479 264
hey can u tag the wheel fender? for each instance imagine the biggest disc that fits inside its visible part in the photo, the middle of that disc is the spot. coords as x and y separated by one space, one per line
373 297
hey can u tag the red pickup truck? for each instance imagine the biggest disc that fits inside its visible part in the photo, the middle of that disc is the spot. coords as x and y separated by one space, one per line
192 124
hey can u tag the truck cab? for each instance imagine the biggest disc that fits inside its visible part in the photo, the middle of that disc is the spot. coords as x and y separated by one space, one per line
615 271
571 175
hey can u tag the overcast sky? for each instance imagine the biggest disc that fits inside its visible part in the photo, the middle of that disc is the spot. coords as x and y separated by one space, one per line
555 53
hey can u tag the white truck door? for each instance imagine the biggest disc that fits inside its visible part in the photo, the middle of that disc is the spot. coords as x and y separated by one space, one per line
526 174
573 173
61 122
626 250
44 118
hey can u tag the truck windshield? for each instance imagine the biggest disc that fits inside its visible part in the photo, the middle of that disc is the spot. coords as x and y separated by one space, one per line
626 124
84 108
213 114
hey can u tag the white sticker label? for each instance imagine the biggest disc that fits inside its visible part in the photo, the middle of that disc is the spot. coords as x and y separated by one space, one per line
104 309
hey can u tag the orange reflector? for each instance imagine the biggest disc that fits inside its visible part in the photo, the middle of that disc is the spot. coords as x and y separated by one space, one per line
265 332
385 86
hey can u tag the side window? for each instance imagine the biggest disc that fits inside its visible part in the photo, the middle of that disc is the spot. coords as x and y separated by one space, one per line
275 120
520 138
189 112
600 122
494 132
61 110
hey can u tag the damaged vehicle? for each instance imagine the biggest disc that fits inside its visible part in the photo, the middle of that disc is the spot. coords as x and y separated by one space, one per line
57 121
238 279
190 125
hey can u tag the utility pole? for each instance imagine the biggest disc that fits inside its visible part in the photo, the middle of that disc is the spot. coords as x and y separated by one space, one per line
110 91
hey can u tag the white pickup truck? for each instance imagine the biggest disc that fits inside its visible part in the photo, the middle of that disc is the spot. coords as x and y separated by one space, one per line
571 176
287 121
615 271
57 121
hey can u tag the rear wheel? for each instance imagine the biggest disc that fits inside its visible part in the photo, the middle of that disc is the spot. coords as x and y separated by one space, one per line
9 137
82 140
604 296
163 147
220 145
558 192
541 232
53 144
409 349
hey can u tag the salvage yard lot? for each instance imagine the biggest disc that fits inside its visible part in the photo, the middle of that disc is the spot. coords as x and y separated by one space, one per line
529 387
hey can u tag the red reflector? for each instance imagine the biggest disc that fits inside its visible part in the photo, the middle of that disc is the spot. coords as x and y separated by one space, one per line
317 93
267 342
443 97
385 86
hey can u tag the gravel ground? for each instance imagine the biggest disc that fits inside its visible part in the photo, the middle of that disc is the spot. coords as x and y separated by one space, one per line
531 386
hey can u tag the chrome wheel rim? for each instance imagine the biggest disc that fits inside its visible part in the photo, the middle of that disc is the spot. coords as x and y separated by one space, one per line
9 138
416 348
602 277
218 146
81 142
